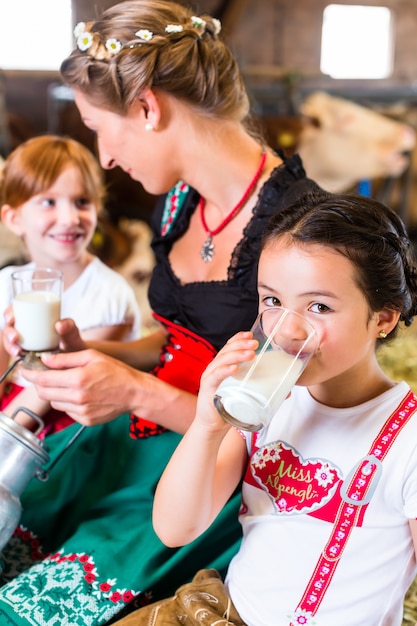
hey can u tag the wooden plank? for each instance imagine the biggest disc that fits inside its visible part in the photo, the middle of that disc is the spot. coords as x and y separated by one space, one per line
229 13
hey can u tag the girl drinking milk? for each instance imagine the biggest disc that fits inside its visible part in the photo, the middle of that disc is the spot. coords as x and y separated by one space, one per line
329 500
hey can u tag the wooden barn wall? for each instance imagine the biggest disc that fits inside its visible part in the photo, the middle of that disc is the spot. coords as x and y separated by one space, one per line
277 43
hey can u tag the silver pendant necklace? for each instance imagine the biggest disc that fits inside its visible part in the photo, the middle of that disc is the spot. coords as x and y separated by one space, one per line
207 250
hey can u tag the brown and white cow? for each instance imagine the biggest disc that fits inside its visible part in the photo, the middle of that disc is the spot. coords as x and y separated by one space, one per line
341 142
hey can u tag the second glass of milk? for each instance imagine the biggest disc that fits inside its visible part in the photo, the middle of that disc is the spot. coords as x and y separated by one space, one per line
37 307
250 398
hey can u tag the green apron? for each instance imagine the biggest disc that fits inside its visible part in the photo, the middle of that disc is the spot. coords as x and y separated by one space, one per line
85 549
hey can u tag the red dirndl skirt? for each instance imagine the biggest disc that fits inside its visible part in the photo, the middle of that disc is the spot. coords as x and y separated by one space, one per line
183 359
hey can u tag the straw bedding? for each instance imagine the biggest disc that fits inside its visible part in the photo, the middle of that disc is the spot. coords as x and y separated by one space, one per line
399 361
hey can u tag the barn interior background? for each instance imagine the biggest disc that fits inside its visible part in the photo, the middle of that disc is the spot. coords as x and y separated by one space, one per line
278 44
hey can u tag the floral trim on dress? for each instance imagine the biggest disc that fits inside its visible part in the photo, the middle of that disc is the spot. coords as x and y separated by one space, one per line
23 550
61 589
173 203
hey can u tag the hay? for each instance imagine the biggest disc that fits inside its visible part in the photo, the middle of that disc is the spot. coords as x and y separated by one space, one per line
399 360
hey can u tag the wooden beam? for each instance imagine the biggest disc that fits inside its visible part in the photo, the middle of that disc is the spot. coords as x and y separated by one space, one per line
278 71
229 12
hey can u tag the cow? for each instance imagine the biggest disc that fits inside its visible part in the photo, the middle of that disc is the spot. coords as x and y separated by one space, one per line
342 143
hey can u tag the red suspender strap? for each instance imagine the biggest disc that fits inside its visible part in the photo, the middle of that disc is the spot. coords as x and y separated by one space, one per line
356 491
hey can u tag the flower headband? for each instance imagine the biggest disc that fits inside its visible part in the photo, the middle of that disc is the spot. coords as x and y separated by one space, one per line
85 38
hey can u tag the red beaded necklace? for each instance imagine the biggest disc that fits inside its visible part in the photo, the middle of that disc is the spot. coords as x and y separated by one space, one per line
207 251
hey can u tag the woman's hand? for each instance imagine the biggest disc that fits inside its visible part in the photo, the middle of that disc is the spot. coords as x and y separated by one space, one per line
94 388
87 385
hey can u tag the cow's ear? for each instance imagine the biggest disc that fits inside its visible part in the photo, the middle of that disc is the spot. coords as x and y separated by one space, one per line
315 105
308 120
337 113
320 110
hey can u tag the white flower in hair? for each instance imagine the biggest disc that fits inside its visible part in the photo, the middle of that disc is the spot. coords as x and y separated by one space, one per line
84 41
217 25
174 28
113 45
198 22
79 29
144 34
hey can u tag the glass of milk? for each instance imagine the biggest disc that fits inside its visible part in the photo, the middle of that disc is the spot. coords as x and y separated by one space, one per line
37 307
251 397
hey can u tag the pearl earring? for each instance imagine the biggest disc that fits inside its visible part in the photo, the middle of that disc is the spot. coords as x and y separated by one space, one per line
149 126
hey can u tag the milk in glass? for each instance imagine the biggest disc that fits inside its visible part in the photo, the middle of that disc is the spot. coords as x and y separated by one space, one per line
271 377
36 313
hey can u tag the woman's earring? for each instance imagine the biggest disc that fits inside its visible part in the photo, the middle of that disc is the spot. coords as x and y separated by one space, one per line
383 334
149 126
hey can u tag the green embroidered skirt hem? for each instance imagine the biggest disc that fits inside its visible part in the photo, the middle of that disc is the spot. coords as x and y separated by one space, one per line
85 547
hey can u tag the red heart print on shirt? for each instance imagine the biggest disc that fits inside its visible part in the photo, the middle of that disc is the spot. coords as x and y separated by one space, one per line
294 484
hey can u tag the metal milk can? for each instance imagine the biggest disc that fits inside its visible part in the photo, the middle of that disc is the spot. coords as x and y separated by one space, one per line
21 455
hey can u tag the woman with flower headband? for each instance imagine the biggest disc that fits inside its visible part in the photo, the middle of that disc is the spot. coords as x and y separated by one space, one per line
165 97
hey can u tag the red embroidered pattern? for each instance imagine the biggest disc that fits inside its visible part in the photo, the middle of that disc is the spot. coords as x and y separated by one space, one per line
173 204
91 576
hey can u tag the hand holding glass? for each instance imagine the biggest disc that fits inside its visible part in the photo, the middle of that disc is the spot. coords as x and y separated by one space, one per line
37 308
251 397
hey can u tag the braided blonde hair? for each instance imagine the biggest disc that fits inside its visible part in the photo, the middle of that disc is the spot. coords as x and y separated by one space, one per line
188 61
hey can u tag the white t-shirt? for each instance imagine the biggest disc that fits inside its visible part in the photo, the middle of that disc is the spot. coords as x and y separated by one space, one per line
99 297
289 499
